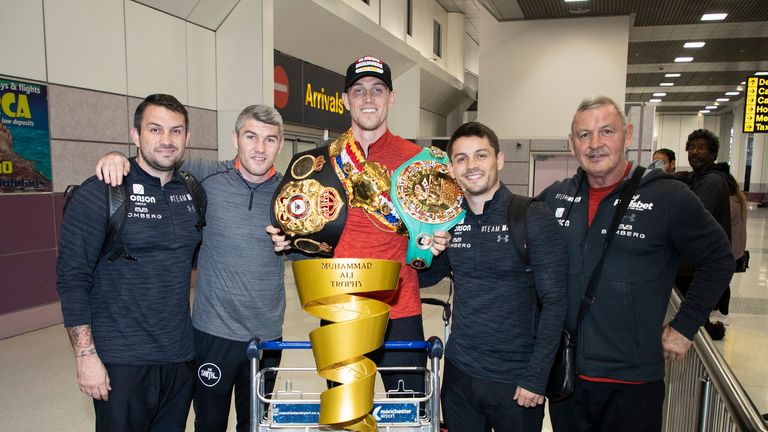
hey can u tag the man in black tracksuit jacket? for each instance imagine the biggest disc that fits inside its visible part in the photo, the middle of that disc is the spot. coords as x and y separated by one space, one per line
128 319
495 369
622 342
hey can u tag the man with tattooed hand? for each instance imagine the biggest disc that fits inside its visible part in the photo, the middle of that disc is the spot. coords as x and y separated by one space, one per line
127 310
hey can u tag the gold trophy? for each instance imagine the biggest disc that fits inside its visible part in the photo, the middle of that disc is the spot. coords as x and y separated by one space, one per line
327 289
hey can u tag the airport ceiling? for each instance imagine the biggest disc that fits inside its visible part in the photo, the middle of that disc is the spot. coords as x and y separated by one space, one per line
735 47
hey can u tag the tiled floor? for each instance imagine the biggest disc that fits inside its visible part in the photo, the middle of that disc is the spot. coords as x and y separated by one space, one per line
745 346
39 390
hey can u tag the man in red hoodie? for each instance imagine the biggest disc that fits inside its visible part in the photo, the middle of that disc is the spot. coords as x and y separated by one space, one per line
368 233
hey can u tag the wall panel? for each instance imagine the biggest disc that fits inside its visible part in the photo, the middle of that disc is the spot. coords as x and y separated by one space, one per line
85 44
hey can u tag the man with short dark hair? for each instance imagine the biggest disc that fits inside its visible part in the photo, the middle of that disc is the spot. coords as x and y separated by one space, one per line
666 158
240 289
622 339
502 342
128 318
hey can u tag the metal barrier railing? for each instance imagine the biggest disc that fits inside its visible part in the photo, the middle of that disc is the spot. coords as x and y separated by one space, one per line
703 394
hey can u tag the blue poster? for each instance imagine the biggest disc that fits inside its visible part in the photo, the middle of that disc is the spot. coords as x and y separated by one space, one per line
25 144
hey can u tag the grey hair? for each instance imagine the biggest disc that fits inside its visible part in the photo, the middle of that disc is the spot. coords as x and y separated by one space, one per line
260 113
596 101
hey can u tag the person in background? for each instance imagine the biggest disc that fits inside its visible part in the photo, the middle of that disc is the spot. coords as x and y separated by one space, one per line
667 158
738 205
709 181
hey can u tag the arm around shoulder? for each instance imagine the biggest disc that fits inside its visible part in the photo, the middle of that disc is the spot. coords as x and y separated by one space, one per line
201 168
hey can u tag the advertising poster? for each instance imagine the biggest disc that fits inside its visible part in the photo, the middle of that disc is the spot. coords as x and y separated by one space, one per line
25 144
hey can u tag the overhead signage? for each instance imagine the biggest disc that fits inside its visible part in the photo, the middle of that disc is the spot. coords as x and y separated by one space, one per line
25 144
309 95
756 105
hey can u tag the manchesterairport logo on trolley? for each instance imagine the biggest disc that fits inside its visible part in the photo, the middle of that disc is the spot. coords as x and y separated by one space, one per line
309 413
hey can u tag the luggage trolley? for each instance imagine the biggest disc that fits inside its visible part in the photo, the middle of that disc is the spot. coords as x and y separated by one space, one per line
292 410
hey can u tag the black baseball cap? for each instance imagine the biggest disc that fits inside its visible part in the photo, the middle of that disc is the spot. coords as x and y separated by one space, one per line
368 66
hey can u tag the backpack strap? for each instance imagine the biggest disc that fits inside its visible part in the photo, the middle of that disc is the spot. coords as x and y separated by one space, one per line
113 247
117 211
518 207
198 196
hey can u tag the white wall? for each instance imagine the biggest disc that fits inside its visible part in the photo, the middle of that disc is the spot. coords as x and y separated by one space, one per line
471 55
404 117
84 51
394 17
671 131
758 181
116 46
454 45
424 13
739 155
369 10
201 66
432 125
535 73
25 59
156 52
244 66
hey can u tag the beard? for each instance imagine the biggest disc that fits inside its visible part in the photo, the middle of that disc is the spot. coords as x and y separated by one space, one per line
160 164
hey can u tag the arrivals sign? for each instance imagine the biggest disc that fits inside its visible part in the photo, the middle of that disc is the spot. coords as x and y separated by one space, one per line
756 105
25 144
309 95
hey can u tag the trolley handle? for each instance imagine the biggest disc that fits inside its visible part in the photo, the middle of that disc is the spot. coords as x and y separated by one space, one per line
434 346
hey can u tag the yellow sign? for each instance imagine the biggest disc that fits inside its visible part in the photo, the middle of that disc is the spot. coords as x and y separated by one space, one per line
756 105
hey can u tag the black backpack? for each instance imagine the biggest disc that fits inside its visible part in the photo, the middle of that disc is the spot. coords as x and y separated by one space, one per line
113 247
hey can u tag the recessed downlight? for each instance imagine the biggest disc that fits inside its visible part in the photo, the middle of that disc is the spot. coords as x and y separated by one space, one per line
714 16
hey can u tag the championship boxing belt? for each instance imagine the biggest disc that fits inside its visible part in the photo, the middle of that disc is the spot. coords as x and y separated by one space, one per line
427 200
367 183
310 205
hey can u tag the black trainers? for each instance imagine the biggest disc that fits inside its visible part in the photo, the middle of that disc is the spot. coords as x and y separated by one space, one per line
716 330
